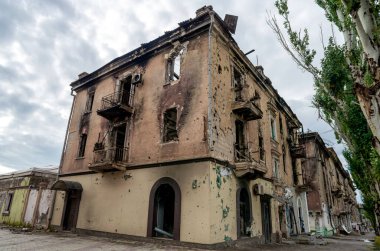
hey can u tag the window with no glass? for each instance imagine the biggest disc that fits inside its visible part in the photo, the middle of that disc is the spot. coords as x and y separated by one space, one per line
170 125
174 65
8 203
82 145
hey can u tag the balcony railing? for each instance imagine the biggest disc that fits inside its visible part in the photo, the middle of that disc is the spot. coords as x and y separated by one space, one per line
241 154
246 165
109 158
116 104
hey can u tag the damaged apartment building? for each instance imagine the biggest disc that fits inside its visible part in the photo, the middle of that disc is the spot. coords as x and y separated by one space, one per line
182 138
330 191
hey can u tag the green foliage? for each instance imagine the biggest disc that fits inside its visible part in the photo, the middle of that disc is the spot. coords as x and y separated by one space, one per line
334 91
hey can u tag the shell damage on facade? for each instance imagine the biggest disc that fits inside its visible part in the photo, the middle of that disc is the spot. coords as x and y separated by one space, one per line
182 138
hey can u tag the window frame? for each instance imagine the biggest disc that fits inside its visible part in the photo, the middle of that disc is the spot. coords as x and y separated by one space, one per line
273 129
82 145
8 203
276 168
165 138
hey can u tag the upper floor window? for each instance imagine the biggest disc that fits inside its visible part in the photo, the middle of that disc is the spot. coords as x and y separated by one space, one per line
90 101
127 90
261 144
281 128
276 168
241 150
273 128
174 63
82 145
237 79
170 125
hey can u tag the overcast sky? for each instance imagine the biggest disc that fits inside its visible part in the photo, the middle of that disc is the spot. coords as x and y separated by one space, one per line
44 45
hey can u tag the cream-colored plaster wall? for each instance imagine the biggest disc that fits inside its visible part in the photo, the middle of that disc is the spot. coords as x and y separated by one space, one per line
257 227
112 203
222 197
58 208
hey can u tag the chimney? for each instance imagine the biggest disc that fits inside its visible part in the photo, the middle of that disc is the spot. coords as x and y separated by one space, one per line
204 9
83 74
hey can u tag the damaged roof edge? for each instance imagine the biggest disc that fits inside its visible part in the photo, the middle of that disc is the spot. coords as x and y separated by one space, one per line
200 22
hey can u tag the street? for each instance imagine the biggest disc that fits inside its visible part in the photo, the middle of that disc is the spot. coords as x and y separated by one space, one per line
20 241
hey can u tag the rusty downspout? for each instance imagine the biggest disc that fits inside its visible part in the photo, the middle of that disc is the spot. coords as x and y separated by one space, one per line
51 209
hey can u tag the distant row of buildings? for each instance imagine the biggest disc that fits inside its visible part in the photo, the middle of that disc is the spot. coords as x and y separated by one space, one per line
184 138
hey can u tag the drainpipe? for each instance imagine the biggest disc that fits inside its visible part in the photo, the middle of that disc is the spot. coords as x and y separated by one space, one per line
52 204
209 111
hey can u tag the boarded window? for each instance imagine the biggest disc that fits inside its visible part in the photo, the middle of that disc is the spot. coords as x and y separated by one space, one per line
82 145
170 125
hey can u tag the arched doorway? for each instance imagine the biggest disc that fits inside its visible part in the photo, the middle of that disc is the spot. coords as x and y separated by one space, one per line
73 191
164 209
244 214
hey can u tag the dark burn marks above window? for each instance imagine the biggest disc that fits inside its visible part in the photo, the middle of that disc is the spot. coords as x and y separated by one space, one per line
170 125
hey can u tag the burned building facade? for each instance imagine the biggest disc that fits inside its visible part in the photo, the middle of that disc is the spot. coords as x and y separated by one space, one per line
182 138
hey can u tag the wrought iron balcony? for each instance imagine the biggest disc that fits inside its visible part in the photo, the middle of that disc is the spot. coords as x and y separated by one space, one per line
247 109
113 158
116 105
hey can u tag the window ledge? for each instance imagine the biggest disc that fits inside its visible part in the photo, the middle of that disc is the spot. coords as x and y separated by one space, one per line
6 213
170 142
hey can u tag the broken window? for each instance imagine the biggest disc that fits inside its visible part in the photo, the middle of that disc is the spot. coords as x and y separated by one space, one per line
82 145
174 65
237 84
170 125
119 149
284 158
281 129
261 144
127 91
90 101
240 146
8 203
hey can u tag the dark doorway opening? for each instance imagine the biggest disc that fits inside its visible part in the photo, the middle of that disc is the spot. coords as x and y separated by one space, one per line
127 91
302 224
163 219
71 209
266 218
164 210
244 213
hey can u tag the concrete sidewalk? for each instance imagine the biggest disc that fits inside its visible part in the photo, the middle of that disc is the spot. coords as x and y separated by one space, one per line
67 241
